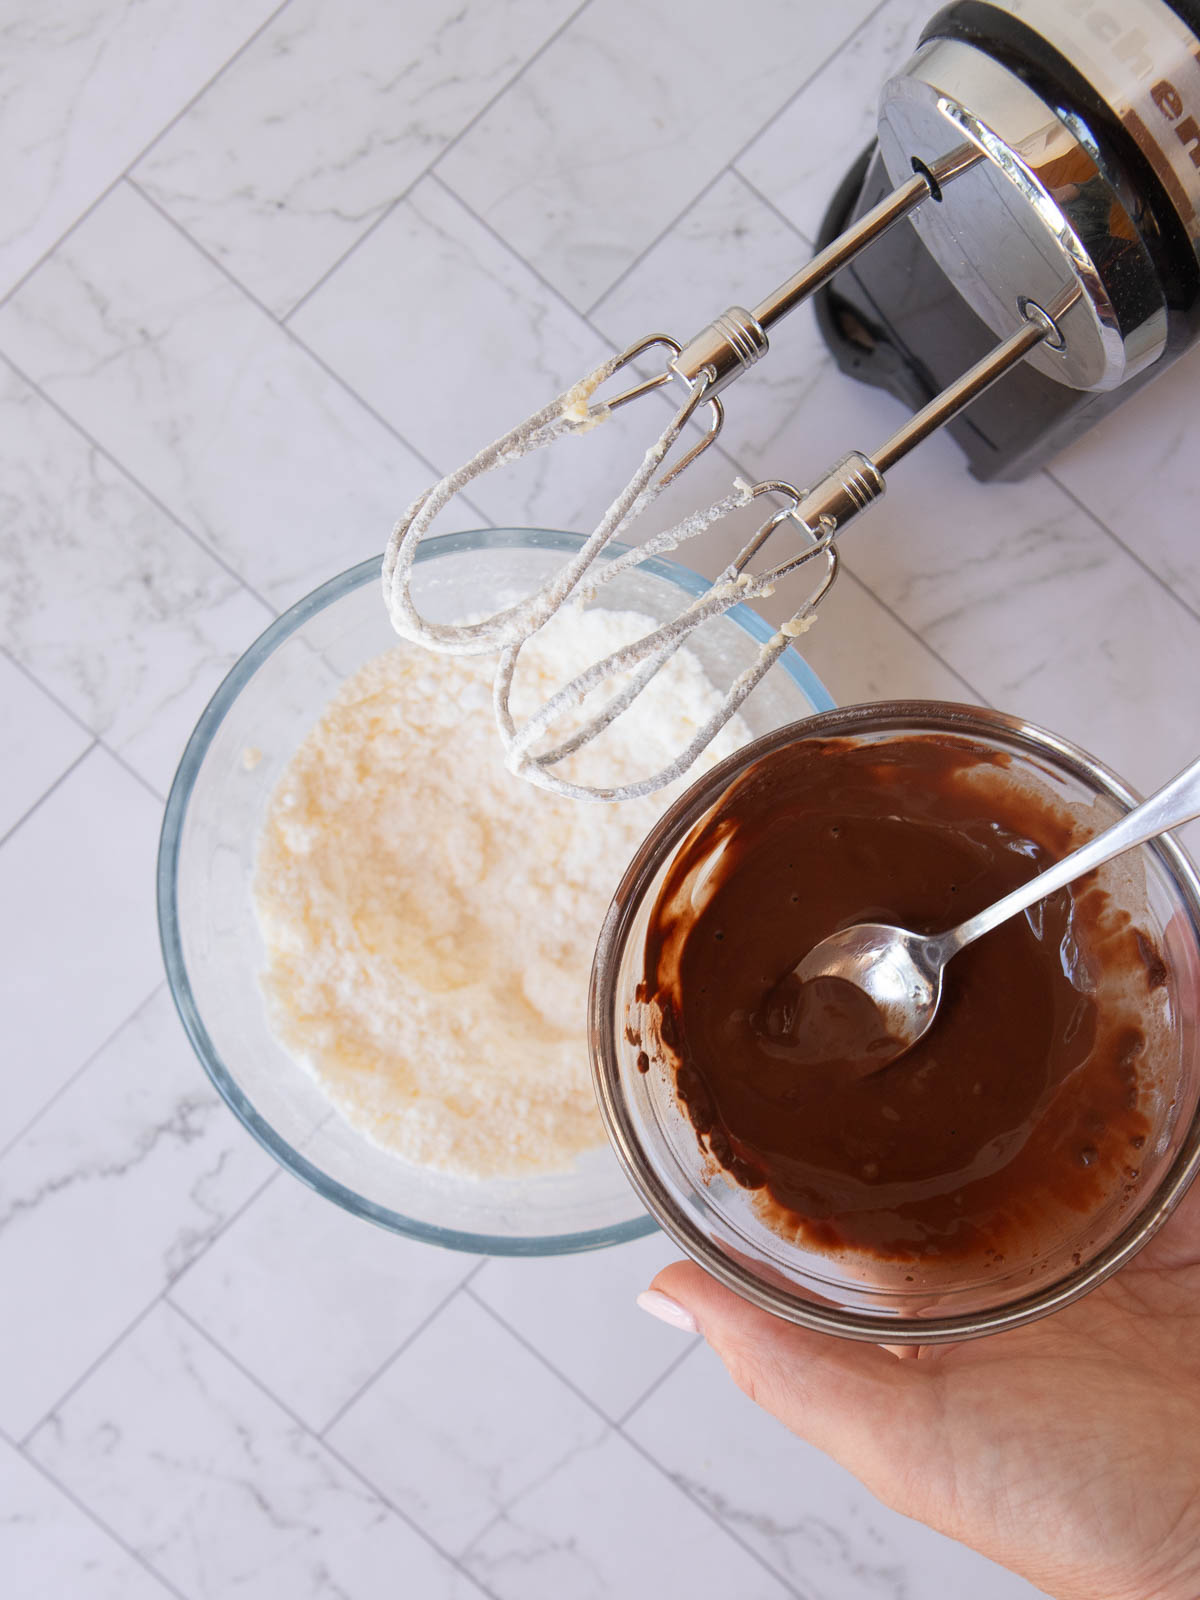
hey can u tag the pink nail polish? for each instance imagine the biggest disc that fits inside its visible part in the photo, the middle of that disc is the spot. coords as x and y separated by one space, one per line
667 1310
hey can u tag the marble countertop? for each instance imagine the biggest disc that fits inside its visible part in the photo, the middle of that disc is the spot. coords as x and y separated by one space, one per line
264 269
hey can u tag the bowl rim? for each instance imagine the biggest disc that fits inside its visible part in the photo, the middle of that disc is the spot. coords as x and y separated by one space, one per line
167 871
885 717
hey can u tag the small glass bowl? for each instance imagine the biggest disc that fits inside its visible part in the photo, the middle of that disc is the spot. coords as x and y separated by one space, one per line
210 938
714 1221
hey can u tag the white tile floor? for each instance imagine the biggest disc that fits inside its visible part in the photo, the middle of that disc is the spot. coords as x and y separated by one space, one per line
263 268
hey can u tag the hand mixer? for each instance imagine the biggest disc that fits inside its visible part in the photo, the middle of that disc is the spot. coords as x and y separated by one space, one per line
1046 154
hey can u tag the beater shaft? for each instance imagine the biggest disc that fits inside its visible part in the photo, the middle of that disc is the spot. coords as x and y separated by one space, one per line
926 183
857 480
737 338
959 394
842 250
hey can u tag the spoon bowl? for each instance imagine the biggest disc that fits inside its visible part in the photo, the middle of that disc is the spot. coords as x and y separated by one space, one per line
900 972
894 969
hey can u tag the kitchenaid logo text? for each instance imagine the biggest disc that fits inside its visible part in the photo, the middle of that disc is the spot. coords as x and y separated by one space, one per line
1170 102
1128 45
1131 47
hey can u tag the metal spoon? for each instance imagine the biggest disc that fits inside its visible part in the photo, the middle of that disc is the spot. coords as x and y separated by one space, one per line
901 972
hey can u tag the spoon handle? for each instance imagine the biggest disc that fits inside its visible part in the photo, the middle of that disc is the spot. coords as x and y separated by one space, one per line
1174 804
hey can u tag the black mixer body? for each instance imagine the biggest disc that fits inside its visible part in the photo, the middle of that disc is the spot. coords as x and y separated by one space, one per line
1093 110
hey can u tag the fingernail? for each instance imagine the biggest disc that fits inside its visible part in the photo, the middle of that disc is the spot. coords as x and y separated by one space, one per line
667 1310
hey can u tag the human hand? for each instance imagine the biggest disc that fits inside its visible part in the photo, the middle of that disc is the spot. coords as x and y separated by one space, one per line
1068 1450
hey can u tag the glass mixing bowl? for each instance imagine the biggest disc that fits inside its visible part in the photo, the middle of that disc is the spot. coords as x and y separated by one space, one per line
715 1221
210 938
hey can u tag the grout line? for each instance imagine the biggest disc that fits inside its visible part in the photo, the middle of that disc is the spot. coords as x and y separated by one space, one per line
134 773
765 200
81 1069
521 1339
62 705
690 1347
201 249
919 638
158 1299
223 68
318 360
46 793
41 261
631 267
372 227
234 1216
129 477
98 741
1100 523
323 1444
87 1511
631 1442
410 1338
529 266
144 151
730 165
432 163
78 1382
860 27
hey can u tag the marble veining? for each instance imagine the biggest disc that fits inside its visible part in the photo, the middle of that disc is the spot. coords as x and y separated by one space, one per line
483 1421
102 597
83 88
325 120
472 342
278 1513
825 1545
641 1535
1139 473
669 105
295 1260
551 1304
39 740
208 402
807 1518
821 131
52 1547
139 1165
77 937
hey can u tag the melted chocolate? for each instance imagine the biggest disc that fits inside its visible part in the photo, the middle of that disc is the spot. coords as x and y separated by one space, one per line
1022 1104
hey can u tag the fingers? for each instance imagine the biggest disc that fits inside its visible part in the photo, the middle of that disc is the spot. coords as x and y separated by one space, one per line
855 1401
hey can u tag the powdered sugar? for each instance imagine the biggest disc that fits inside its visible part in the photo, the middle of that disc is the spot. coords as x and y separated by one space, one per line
430 919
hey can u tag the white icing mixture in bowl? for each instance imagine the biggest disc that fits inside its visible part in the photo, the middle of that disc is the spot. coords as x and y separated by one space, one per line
423 922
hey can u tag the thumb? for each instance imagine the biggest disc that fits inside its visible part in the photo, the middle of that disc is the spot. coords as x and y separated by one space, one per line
858 1403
